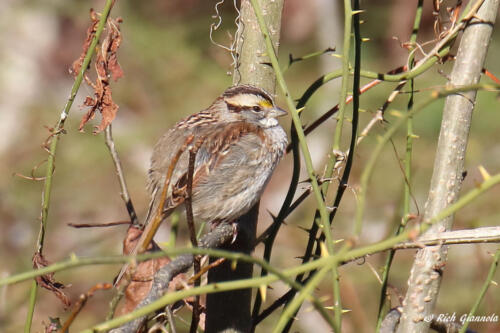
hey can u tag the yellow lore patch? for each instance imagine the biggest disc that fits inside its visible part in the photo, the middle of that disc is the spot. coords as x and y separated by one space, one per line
265 104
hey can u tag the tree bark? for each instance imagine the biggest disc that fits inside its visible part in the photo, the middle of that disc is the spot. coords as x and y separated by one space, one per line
230 311
447 178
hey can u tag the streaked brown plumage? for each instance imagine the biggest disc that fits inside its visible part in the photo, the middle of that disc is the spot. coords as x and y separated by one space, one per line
240 147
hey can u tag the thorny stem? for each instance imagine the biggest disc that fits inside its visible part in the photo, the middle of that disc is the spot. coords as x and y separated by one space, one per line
407 169
59 128
467 236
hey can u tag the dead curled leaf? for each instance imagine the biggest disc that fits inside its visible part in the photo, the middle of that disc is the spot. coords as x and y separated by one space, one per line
77 64
144 272
47 280
106 66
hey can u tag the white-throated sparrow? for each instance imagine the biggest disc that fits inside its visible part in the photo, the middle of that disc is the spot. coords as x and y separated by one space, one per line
238 145
241 143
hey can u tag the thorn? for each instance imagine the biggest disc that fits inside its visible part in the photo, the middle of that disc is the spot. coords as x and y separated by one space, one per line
272 215
263 292
304 229
331 208
396 113
485 174
359 11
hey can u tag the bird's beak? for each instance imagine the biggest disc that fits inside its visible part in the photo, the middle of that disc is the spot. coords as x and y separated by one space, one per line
276 112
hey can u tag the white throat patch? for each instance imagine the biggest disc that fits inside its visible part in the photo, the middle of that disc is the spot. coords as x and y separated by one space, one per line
268 122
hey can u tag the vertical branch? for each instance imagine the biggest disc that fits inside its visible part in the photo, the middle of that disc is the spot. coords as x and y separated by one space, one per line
232 309
253 57
345 81
189 198
59 128
384 305
425 276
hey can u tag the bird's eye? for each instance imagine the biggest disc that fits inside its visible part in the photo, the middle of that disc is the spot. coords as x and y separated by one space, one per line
256 108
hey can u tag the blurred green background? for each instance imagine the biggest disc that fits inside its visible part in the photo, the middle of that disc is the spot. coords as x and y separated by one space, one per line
171 70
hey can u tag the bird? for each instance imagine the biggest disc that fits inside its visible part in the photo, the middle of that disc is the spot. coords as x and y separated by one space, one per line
236 142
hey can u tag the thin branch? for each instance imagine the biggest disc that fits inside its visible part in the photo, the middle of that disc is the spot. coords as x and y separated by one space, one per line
108 139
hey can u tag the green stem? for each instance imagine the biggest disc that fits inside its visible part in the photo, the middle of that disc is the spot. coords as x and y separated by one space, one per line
486 285
298 127
407 170
52 153
345 77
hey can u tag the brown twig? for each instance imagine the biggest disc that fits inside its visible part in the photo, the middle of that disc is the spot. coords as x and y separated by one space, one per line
81 303
97 225
108 139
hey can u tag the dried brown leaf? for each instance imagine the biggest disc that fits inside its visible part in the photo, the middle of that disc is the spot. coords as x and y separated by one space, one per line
47 280
90 113
113 65
77 64
142 278
106 66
